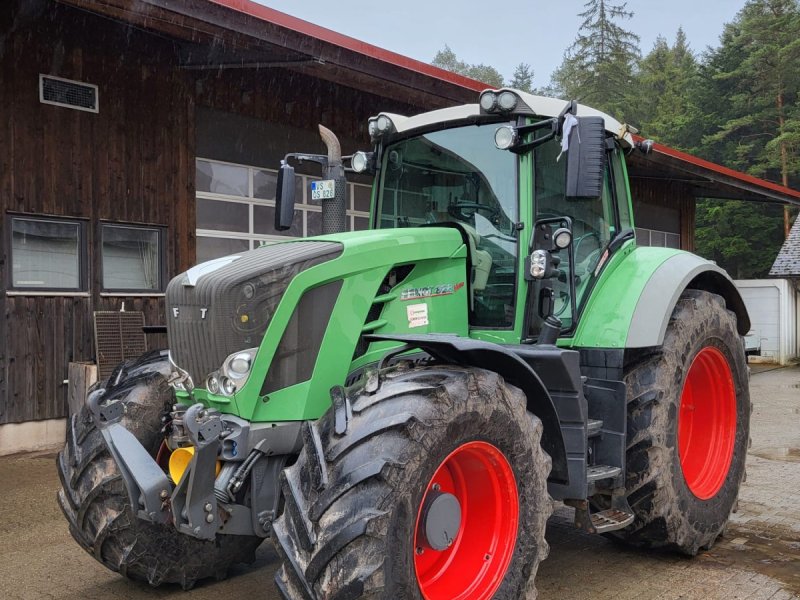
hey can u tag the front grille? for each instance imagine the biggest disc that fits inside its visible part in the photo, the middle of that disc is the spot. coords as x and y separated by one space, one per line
228 309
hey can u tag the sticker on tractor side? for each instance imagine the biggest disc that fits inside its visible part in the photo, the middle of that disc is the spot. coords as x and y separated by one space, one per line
417 315
323 190
430 291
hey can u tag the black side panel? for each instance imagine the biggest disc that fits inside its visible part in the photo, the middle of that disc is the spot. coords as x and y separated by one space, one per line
602 364
503 361
298 349
560 372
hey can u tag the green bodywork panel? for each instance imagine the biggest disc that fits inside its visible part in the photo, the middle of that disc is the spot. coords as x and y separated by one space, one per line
606 316
439 259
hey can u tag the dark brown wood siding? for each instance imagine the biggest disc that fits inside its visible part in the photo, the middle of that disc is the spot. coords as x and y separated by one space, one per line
133 162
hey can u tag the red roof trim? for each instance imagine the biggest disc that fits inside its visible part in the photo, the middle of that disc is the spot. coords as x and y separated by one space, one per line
775 187
281 19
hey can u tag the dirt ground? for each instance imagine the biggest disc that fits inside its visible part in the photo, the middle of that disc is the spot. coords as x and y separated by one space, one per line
758 558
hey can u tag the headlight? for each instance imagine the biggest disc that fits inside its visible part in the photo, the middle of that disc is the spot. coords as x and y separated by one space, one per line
538 264
233 374
359 162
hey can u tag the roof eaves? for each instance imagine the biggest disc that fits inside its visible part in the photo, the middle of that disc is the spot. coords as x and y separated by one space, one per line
270 15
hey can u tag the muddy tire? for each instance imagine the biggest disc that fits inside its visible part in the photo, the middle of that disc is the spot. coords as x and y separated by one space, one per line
353 525
95 501
688 429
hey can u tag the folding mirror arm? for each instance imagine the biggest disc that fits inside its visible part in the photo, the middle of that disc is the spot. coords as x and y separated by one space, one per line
556 125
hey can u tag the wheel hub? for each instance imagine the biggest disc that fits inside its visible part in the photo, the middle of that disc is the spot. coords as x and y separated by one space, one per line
441 520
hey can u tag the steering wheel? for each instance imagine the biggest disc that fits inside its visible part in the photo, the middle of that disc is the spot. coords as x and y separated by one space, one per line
464 211
576 245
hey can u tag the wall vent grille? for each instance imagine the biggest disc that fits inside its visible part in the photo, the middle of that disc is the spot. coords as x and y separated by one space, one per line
68 93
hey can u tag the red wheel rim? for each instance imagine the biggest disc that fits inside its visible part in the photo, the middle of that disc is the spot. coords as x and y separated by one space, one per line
707 423
473 567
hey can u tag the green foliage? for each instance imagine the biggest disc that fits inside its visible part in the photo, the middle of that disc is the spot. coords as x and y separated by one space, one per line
741 237
598 69
447 59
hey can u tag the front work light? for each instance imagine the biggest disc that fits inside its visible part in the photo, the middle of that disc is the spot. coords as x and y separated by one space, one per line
359 162
538 264
507 101
488 101
505 137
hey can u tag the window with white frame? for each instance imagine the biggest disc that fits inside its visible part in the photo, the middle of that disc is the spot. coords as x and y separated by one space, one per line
236 208
653 237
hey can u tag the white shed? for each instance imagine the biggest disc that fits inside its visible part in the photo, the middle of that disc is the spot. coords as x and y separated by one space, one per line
773 306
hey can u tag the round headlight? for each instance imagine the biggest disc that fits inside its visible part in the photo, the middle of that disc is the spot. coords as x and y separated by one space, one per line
228 387
372 128
562 238
240 365
505 137
507 101
359 162
212 385
384 124
488 101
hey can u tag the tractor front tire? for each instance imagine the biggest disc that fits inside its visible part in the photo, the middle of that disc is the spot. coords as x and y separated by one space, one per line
688 429
95 501
367 508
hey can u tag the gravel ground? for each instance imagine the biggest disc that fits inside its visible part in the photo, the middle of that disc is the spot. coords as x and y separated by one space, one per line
758 558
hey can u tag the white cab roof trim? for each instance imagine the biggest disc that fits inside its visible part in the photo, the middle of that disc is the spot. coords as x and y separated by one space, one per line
541 105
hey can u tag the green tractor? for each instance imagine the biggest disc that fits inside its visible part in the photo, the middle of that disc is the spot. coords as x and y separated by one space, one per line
398 408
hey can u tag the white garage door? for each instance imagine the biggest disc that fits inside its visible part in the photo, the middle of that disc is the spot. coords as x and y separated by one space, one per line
763 305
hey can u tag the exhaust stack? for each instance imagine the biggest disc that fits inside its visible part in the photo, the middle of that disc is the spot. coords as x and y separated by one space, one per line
334 216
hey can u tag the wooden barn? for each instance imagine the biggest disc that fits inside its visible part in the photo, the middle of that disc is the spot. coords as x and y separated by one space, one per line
140 137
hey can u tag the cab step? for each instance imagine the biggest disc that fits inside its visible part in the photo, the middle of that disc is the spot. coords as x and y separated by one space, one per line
593 427
611 520
598 472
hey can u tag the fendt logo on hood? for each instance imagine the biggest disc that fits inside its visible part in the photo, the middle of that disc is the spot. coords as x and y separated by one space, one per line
176 312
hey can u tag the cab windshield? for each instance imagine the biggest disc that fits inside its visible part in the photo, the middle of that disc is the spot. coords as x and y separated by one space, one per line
458 175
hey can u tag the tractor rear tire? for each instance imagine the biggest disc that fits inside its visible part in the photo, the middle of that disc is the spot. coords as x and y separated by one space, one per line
688 429
94 499
354 524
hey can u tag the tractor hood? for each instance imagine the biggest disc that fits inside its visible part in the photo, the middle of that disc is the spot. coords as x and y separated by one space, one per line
226 305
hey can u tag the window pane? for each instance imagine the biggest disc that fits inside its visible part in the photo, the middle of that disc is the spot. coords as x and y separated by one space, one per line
221 179
209 248
658 238
264 184
45 254
131 258
264 222
313 223
361 197
673 241
222 216
642 236
360 223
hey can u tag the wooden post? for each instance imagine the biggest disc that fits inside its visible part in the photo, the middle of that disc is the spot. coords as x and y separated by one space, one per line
81 377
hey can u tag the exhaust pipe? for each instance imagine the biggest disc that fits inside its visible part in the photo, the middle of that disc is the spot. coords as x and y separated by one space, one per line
334 216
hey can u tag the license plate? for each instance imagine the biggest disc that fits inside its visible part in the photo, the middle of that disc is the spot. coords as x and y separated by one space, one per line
323 190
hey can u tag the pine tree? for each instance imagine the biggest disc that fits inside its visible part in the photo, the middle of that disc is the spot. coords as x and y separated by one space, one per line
522 78
665 84
598 68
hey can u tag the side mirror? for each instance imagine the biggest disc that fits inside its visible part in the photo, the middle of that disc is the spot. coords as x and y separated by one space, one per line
586 159
284 199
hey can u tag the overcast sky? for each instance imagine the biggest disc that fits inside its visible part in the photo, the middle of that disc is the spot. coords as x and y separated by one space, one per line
530 31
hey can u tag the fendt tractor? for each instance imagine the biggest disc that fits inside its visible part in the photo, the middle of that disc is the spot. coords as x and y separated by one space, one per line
399 408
